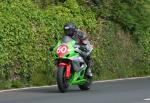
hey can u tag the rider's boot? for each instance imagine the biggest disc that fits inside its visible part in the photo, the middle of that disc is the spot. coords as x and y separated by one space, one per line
89 65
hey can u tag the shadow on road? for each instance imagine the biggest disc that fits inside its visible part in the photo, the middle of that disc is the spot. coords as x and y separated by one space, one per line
50 90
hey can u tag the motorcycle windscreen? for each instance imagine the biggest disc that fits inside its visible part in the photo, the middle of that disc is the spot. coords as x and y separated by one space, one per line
66 39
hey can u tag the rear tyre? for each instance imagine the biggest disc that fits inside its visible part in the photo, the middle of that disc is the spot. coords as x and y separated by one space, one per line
61 80
87 85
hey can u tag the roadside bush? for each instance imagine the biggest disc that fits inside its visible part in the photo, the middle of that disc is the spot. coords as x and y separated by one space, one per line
116 54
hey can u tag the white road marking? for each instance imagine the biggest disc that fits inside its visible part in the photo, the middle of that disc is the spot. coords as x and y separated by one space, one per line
101 81
121 79
9 90
147 99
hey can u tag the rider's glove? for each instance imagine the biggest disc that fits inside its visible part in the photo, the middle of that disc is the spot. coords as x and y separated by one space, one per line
77 49
83 48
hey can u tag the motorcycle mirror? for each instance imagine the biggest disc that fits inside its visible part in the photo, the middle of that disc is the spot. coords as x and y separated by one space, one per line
51 48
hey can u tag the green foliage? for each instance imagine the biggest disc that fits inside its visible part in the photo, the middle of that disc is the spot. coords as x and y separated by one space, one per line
45 3
116 54
16 37
17 84
5 85
132 15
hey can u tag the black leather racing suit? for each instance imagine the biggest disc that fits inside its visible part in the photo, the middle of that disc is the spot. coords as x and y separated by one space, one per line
85 47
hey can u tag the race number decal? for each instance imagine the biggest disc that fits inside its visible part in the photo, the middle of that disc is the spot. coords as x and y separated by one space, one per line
62 49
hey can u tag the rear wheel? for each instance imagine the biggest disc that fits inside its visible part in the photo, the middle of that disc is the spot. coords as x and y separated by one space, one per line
87 85
61 80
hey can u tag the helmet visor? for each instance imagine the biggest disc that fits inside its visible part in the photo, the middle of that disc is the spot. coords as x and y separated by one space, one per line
69 32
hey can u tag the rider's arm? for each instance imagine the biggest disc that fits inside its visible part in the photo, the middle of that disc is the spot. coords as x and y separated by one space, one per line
82 35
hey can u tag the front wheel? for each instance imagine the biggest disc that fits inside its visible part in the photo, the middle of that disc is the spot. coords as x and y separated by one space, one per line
61 80
87 85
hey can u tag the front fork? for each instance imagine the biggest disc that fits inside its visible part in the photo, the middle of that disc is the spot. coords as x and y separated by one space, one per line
78 77
67 67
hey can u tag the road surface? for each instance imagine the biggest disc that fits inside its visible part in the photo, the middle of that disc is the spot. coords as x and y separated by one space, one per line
123 91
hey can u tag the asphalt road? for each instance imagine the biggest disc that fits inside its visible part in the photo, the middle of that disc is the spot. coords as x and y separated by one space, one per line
126 91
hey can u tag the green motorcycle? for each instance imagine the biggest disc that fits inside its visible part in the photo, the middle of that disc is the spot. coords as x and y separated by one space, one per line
71 67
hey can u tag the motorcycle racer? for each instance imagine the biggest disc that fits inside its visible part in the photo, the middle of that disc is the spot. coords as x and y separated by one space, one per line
82 41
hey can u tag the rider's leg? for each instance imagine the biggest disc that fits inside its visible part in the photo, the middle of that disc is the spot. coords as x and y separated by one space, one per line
88 61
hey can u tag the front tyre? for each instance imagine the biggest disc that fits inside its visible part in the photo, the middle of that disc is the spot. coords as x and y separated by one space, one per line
61 80
87 85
